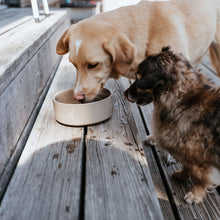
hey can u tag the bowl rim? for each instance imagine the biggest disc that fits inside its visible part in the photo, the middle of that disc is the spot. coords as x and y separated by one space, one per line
79 104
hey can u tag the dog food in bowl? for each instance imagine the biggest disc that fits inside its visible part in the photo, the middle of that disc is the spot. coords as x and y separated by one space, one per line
71 112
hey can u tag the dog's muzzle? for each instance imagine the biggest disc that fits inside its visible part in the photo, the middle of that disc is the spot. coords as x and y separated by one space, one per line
80 96
128 97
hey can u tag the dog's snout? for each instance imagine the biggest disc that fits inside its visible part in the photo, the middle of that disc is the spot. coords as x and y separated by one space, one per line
126 93
128 96
80 96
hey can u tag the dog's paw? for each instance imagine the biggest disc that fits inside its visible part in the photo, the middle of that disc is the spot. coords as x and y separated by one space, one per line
167 158
170 160
191 198
150 140
195 196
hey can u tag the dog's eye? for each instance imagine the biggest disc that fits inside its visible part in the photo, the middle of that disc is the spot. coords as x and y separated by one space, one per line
91 66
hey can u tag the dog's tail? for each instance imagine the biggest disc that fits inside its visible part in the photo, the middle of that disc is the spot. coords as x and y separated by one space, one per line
214 49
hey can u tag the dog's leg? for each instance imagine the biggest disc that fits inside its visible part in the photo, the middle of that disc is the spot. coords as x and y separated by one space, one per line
196 195
150 140
214 51
198 177
167 158
181 174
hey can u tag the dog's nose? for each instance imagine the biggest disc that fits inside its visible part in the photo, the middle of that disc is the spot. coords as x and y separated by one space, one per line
127 96
126 93
80 96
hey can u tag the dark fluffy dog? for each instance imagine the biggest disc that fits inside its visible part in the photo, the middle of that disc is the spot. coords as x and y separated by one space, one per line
186 116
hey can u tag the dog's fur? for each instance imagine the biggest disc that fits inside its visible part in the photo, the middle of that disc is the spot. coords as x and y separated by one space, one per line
186 116
112 44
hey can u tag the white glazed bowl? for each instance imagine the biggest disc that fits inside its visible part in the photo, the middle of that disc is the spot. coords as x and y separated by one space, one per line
81 114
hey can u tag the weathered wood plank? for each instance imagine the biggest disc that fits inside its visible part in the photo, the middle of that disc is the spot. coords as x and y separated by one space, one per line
2 7
22 42
118 180
13 17
209 73
207 63
21 95
210 208
46 183
155 173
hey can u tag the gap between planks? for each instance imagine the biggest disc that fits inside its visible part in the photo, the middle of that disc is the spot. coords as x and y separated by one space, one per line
166 183
163 191
118 181
11 164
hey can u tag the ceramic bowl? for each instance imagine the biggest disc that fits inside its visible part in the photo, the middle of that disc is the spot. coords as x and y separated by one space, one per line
71 112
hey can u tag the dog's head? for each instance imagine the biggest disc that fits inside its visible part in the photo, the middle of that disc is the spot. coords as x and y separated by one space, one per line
154 75
99 51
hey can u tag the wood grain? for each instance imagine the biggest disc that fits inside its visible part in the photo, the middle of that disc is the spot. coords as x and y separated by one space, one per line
13 17
118 180
47 181
22 42
20 96
155 173
207 63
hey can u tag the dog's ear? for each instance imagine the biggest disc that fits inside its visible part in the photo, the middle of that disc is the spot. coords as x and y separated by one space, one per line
63 44
122 52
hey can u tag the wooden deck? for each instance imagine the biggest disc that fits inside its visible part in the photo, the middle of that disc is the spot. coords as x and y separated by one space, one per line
98 172
28 62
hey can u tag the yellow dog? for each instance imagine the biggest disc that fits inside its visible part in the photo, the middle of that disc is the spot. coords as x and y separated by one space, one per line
112 44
